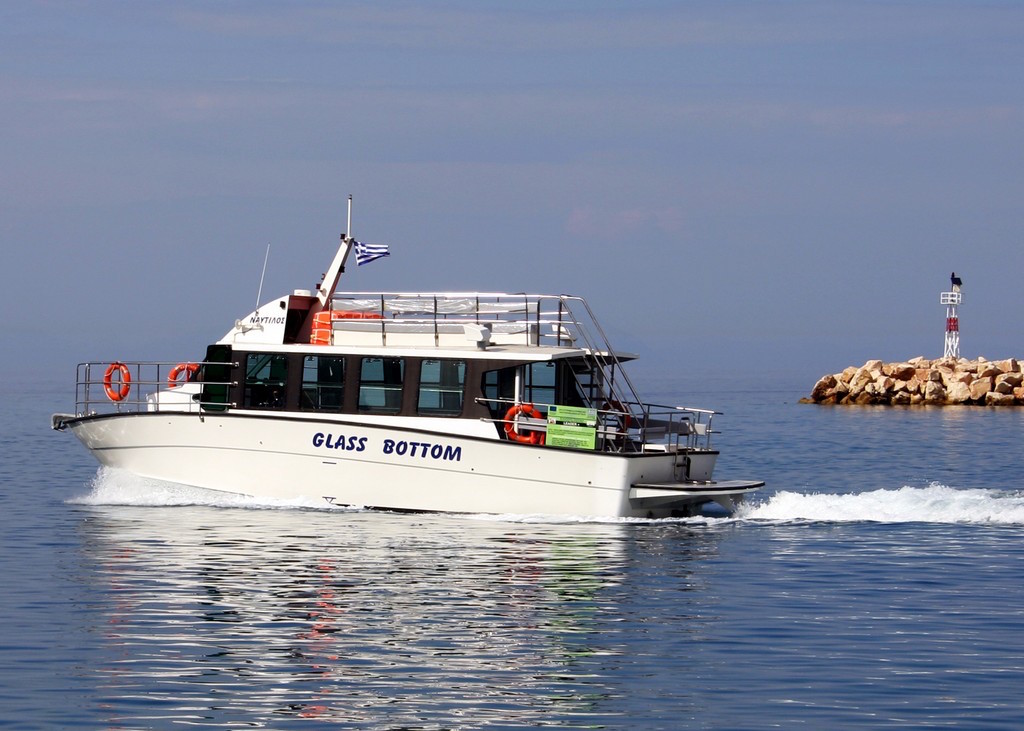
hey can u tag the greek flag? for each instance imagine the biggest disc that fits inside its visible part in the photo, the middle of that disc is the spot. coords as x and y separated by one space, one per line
365 253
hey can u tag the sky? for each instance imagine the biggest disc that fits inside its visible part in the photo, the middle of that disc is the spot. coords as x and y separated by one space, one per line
735 187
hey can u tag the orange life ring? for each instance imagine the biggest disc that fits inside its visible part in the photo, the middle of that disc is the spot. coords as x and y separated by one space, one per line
534 437
189 369
121 393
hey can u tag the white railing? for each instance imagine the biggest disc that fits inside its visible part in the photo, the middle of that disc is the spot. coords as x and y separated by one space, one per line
132 386
519 318
675 428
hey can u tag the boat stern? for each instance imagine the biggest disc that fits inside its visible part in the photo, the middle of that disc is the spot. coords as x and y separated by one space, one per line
667 499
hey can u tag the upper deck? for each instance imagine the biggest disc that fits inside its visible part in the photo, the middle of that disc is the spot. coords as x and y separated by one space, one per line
536 326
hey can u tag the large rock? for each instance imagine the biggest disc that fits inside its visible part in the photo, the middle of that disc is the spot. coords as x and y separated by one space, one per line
899 371
958 393
934 392
945 374
1012 378
988 370
979 388
863 398
824 388
1004 383
860 380
900 398
959 377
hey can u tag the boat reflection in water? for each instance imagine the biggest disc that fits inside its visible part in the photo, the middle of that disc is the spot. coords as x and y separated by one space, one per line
260 617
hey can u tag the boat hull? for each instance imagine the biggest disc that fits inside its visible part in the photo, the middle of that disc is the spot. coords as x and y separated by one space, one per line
391 467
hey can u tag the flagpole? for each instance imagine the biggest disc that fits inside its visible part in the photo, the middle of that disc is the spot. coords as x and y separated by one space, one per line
348 223
337 268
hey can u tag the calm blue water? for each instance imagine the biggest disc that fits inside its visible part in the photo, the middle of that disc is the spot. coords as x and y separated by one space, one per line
877 583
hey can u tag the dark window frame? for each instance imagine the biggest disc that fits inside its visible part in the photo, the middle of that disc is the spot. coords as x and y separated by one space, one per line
446 391
269 391
392 389
320 394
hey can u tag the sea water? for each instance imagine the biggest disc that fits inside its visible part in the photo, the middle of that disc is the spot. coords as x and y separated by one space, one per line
875 583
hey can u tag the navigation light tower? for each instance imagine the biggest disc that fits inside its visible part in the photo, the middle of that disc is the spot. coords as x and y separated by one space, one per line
951 299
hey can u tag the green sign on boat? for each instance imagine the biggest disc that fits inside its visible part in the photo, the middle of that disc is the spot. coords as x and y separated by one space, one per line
572 426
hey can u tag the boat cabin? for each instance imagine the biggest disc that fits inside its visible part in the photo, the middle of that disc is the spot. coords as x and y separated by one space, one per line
451 356
408 382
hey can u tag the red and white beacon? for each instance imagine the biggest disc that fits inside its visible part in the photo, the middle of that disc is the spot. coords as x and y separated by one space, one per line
951 299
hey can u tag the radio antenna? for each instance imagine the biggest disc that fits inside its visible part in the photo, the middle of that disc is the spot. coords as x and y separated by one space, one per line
259 294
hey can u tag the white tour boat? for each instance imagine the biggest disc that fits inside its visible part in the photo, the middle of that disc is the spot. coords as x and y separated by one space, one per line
465 402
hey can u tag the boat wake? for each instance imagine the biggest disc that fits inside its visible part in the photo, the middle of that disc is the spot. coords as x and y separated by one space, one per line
935 503
118 487
115 487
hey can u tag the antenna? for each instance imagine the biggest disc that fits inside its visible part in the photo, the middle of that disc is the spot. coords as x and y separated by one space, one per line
259 294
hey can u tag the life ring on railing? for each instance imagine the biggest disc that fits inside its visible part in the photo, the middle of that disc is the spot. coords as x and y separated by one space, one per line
120 393
534 437
189 369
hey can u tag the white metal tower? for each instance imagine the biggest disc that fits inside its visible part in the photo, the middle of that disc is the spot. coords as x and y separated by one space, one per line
951 299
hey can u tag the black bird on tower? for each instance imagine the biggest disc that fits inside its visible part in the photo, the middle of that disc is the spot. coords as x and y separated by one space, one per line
955 281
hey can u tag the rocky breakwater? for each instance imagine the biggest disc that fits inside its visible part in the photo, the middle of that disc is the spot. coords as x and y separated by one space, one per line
940 382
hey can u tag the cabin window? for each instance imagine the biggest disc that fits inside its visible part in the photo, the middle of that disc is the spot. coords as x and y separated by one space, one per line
539 388
323 383
500 390
380 385
441 387
265 377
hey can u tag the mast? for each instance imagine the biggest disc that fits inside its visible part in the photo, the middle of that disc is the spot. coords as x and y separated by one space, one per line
337 267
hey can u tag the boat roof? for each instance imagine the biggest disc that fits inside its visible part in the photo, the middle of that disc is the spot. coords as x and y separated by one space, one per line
488 326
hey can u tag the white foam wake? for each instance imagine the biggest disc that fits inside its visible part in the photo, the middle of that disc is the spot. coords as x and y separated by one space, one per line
119 487
933 504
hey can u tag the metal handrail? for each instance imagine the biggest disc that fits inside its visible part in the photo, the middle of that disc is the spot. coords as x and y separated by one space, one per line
147 378
682 427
